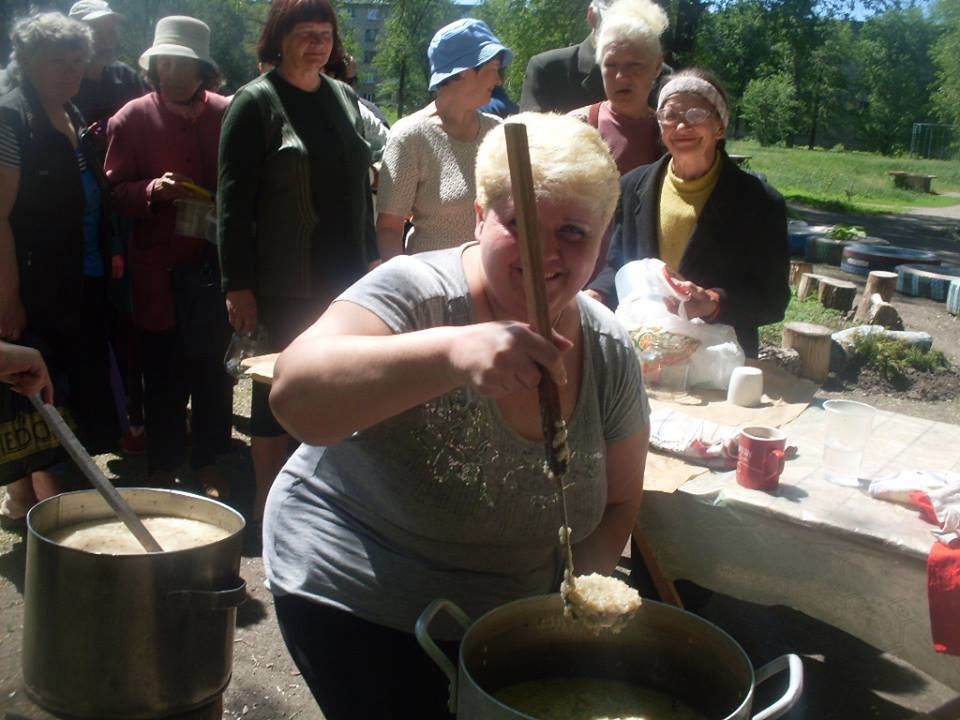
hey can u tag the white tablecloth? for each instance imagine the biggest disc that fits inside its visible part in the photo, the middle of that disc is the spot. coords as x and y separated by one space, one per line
832 552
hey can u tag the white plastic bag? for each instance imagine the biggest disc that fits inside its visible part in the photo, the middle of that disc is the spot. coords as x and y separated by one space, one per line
711 349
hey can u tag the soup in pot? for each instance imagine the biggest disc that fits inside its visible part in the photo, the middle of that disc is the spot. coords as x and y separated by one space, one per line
587 698
110 536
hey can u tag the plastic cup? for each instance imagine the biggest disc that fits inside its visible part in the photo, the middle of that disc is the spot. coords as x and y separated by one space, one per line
848 425
746 386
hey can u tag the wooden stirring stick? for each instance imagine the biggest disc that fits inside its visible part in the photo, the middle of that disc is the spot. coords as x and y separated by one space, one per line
538 314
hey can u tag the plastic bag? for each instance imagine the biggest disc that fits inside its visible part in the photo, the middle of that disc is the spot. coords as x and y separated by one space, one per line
710 350
242 346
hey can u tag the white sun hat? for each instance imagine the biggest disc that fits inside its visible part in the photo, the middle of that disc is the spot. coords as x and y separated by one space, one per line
92 10
179 36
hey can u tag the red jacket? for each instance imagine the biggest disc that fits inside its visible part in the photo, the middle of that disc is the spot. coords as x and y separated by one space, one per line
146 139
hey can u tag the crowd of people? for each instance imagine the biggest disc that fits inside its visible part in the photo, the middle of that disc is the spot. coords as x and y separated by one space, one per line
398 455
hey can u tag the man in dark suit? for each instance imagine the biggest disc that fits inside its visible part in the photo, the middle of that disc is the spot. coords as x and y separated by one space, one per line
567 78
563 79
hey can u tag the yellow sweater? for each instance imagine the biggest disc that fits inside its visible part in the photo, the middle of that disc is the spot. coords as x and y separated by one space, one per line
681 202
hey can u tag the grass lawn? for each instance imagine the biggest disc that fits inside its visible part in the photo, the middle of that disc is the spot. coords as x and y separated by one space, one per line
849 181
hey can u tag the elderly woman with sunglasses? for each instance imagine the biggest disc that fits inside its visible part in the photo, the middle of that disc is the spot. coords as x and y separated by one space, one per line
721 229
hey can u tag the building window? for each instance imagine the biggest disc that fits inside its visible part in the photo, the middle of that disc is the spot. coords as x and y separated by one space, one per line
368 57
370 34
373 14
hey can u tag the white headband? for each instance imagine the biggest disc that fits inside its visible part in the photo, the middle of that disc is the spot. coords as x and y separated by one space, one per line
697 86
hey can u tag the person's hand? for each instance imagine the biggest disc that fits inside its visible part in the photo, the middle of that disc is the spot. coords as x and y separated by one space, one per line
242 310
172 186
596 295
701 302
498 358
24 369
116 267
13 319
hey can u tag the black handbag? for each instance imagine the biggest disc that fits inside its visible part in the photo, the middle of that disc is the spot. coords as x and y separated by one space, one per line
202 326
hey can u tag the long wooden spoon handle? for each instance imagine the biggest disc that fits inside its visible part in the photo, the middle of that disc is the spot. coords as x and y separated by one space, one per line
538 312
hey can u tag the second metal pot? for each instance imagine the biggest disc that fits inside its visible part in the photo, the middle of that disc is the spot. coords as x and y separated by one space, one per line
129 636
663 648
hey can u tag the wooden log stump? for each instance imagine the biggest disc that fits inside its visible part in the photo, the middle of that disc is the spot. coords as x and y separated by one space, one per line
809 285
797 270
836 294
883 313
880 282
812 343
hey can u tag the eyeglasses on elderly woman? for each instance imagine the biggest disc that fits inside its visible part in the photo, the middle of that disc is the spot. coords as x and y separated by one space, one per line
690 116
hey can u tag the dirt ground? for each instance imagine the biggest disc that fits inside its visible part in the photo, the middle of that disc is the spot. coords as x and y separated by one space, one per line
846 679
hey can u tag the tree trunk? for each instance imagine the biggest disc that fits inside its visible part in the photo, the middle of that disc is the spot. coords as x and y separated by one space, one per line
797 270
809 285
836 294
879 282
812 343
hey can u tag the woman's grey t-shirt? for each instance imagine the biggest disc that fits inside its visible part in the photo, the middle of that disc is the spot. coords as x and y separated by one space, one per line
445 499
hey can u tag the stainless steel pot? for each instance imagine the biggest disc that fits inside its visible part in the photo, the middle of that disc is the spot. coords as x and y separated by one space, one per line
663 648
129 636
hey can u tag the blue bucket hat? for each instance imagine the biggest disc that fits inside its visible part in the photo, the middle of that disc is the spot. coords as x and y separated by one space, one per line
462 45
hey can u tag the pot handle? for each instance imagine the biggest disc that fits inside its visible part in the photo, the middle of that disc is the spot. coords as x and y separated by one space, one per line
209 600
422 632
794 666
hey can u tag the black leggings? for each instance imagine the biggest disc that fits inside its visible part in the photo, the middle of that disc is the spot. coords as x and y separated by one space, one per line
358 669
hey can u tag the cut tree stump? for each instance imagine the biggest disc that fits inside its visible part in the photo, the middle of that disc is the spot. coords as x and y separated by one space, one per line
836 294
880 282
812 343
797 270
883 313
809 285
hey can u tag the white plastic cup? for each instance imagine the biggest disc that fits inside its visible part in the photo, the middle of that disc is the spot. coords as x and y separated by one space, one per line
848 426
746 386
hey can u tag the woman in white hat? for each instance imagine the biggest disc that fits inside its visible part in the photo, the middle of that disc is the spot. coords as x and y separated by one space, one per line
427 170
163 147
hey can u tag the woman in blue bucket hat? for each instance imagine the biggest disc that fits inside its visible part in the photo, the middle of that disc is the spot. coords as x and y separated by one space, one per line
427 171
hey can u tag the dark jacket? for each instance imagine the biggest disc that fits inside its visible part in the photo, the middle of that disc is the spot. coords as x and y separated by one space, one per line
99 99
567 78
739 245
269 226
47 215
562 80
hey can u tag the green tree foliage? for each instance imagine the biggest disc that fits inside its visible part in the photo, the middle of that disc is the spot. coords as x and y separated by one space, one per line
734 42
946 57
895 74
529 27
402 50
770 107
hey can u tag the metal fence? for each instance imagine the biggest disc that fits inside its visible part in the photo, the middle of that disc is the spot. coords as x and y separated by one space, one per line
930 140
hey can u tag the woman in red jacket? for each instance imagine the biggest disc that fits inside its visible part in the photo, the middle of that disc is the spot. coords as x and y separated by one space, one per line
163 147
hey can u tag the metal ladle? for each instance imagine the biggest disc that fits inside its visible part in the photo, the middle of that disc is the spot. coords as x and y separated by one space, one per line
94 474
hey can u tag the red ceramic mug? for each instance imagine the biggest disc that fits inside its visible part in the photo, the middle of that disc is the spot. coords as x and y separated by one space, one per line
760 457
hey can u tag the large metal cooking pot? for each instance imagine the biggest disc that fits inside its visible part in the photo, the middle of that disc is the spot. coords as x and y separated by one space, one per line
663 648
129 636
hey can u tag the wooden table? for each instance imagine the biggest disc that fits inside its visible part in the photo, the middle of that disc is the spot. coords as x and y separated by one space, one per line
834 553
